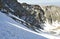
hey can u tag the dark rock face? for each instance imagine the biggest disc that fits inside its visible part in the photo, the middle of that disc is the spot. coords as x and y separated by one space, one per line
33 15
35 10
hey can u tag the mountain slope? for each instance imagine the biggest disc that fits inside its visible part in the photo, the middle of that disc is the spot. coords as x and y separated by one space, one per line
34 17
8 31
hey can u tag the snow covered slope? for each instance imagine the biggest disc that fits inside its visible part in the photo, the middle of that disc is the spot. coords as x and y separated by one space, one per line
8 31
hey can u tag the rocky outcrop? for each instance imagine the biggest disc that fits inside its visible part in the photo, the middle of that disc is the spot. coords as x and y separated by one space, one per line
14 9
35 10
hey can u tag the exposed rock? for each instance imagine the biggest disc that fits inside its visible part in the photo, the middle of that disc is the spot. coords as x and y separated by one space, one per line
13 7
